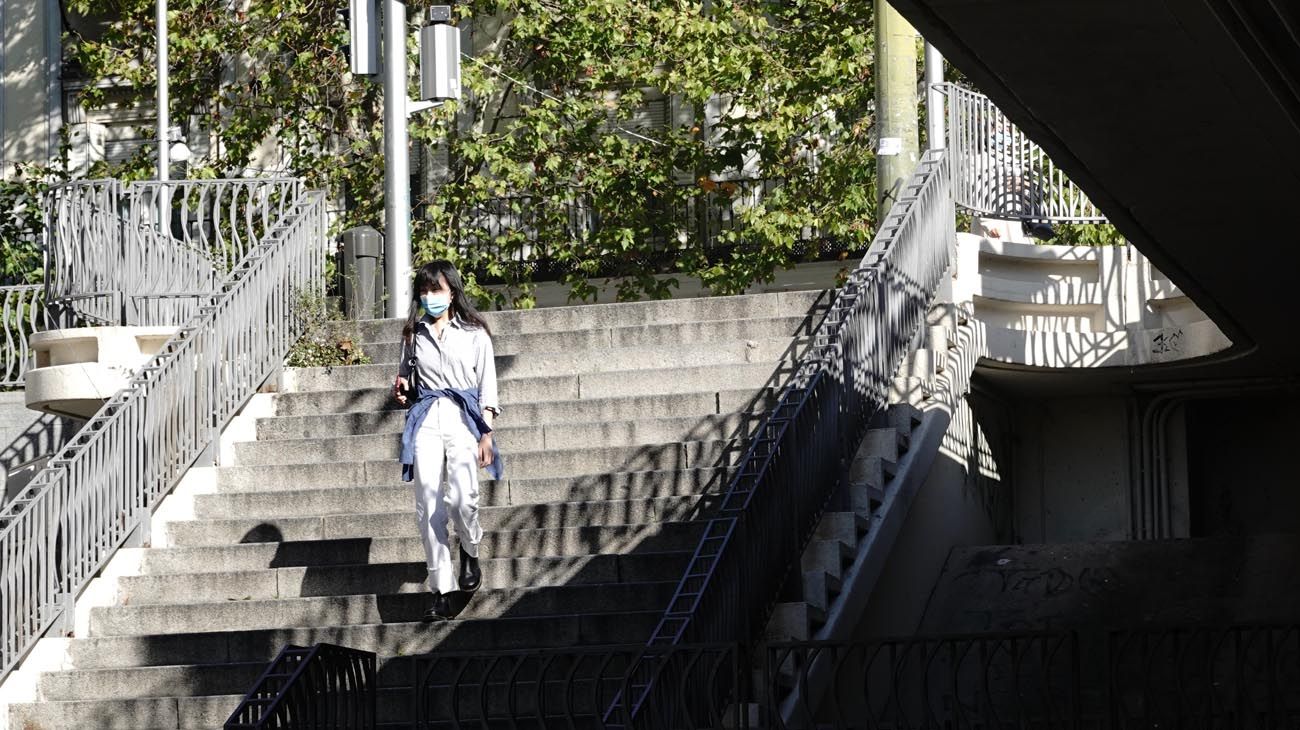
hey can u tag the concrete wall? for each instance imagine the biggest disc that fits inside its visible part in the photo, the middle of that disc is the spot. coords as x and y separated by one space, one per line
30 49
1242 465
26 435
1071 468
964 501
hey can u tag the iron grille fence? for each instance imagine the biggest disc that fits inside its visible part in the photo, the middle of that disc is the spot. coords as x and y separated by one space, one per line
147 253
524 230
99 489
1028 680
954 683
1202 678
325 686
575 686
998 171
1206 678
22 312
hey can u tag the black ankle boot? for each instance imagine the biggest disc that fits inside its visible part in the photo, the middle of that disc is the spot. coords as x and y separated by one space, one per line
439 610
470 575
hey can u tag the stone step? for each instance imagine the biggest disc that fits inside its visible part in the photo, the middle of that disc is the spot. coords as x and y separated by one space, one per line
397 639
401 522
550 542
153 713
388 349
658 381
391 578
385 419
577 488
171 618
540 438
371 400
536 463
607 316
357 501
571 361
568 685
711 378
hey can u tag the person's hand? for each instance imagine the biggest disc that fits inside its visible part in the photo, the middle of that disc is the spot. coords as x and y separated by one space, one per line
399 388
485 451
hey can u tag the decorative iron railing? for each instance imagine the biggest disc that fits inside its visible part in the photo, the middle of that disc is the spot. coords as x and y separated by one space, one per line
1228 677
574 686
85 269
999 172
22 312
1028 680
325 686
1210 677
147 253
523 230
793 463
1010 681
100 488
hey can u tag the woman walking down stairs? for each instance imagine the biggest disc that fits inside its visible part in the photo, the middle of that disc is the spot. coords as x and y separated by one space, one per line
622 419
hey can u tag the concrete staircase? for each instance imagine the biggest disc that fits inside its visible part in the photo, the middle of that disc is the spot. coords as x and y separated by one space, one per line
848 551
619 421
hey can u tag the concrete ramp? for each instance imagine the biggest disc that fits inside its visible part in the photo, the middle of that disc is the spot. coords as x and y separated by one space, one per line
1088 586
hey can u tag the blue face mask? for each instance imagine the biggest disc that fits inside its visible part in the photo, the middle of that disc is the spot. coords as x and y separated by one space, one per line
435 304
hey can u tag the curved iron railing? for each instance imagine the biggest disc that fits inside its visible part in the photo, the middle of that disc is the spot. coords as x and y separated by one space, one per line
100 488
573 686
147 253
22 312
86 272
794 461
999 172
325 686
1240 676
1010 681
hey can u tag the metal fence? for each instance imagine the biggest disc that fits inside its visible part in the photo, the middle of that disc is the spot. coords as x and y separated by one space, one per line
1211 677
1028 680
998 171
579 687
325 686
22 312
148 252
793 462
99 490
526 231
86 272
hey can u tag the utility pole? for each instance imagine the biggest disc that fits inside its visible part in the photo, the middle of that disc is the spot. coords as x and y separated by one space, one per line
164 122
896 116
397 176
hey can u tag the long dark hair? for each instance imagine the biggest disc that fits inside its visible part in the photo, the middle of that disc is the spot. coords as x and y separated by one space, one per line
461 306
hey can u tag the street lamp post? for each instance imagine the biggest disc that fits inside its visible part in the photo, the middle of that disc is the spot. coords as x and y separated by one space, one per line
397 176
164 123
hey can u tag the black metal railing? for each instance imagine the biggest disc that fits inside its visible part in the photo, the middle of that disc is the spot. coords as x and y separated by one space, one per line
994 681
1026 680
324 686
1229 678
525 230
580 687
1233 677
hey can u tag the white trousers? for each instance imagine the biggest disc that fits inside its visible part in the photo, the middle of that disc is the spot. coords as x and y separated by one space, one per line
446 484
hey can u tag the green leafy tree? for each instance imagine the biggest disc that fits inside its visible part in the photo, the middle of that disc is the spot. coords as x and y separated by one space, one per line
549 126
21 224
